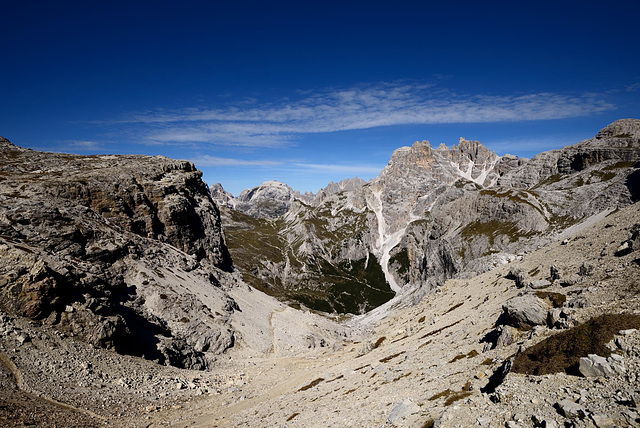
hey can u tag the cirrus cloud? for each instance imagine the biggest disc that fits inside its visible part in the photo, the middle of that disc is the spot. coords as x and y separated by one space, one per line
278 123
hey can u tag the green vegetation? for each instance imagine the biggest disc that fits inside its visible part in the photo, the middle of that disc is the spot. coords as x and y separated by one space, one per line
434 332
454 307
428 423
561 222
535 271
604 176
379 342
619 165
494 228
457 397
562 352
512 195
444 393
261 248
471 354
549 180
400 261
250 239
355 286
451 396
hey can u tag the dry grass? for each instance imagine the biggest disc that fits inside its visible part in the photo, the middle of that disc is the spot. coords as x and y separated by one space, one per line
311 385
556 299
562 352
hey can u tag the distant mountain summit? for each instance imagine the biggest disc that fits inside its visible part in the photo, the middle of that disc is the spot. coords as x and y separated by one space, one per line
273 199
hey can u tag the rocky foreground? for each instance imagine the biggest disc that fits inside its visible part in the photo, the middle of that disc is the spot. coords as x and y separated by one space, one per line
466 355
120 304
452 360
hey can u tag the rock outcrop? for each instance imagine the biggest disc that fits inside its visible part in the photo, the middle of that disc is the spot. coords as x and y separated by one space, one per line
84 242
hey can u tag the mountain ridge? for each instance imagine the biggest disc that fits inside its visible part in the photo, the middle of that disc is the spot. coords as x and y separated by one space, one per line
417 215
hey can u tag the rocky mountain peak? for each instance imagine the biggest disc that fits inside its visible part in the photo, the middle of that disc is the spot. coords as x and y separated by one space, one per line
623 128
618 143
271 199
348 184
474 149
221 196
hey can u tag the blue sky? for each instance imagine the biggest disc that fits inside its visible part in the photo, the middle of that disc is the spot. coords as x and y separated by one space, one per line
310 92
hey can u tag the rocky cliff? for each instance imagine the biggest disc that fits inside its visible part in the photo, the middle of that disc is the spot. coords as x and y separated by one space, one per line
84 241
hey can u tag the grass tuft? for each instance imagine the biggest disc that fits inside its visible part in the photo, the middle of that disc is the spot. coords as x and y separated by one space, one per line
312 384
379 342
562 352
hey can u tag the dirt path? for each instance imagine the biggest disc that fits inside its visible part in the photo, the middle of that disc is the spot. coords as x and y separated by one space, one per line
47 401
302 375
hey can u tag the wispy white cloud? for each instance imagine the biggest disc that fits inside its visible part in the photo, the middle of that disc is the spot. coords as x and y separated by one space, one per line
633 87
529 146
207 160
289 165
81 145
278 123
347 170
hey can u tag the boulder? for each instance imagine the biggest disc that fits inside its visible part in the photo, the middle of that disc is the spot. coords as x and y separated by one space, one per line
506 336
568 281
402 410
558 318
586 269
631 244
539 283
570 409
525 311
602 421
519 276
595 366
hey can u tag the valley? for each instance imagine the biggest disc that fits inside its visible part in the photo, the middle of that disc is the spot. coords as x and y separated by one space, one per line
454 289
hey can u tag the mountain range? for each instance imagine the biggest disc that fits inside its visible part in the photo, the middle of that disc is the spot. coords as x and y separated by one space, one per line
430 215
456 288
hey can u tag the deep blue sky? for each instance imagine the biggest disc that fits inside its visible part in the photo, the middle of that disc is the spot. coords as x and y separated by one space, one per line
308 92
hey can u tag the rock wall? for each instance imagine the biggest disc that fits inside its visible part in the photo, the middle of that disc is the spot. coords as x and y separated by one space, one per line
75 229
